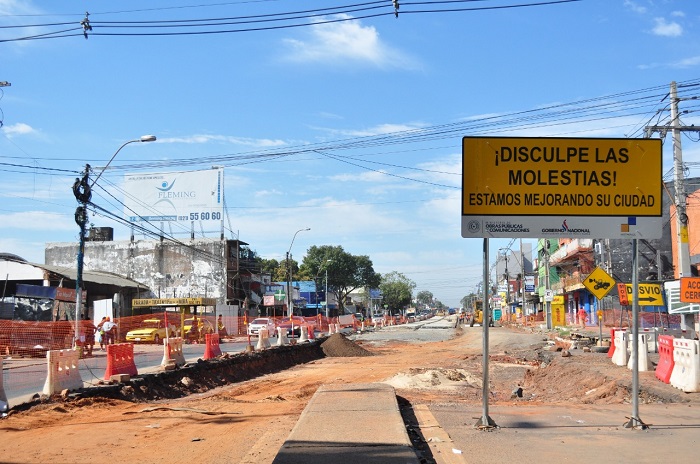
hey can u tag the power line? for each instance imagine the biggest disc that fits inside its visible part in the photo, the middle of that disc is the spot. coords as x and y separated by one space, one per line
258 23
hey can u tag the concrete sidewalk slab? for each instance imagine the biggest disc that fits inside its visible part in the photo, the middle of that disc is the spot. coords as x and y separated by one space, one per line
349 423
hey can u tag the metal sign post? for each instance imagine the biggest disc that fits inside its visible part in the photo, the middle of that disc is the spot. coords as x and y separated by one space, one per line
635 421
485 422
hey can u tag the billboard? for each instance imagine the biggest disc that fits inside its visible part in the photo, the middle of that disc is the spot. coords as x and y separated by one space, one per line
534 187
175 196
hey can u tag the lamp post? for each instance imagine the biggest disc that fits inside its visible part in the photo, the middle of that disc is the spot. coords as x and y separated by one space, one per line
82 189
290 301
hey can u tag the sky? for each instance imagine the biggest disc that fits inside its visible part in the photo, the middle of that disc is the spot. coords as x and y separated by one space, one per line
343 119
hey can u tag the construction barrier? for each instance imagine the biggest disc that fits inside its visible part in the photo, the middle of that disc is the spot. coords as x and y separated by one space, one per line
312 335
120 360
686 365
620 356
665 366
175 350
330 329
212 348
611 351
282 339
643 353
4 405
303 334
677 333
263 339
62 371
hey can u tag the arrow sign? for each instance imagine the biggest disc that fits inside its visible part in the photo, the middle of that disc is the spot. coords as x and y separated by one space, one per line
649 294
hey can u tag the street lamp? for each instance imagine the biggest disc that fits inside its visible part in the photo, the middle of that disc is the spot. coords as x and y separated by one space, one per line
289 269
82 189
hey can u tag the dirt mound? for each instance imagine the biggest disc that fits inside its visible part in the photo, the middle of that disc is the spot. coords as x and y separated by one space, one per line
337 346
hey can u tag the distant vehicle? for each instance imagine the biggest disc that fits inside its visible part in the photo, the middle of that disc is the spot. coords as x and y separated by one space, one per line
451 311
262 323
359 316
295 321
478 315
151 331
411 314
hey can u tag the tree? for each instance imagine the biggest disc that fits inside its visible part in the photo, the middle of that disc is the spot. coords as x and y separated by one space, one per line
278 269
346 272
468 301
397 290
424 297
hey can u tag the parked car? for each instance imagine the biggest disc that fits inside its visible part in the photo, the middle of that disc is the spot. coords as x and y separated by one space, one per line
262 323
297 322
151 331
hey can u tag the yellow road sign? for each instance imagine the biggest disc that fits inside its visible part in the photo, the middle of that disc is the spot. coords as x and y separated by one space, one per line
649 295
599 283
536 176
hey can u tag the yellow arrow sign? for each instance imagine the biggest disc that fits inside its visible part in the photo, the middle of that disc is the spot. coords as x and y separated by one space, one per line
599 283
649 294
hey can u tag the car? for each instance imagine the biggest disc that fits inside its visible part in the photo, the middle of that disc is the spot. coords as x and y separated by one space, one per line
151 331
296 322
262 323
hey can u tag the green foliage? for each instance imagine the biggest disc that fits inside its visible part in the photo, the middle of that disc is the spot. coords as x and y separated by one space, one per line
346 272
424 297
397 290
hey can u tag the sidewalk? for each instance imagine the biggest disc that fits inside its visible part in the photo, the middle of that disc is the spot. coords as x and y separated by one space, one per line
349 423
573 434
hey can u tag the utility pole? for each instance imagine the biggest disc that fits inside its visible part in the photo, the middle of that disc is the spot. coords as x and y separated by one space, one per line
682 243
83 193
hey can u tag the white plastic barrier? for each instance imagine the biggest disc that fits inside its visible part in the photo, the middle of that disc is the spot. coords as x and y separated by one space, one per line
643 348
282 337
304 334
686 365
263 340
175 347
62 371
172 353
4 405
619 357
337 328
330 328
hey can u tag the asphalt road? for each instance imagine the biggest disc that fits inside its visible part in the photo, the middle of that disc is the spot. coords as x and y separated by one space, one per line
24 377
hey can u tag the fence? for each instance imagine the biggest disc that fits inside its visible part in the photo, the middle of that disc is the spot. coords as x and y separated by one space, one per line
24 344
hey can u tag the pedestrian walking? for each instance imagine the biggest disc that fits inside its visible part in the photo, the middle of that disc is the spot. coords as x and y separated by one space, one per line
582 316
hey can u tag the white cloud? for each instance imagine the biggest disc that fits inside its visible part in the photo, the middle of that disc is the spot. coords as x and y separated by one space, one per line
206 138
666 29
635 7
18 129
687 62
678 14
380 129
347 41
